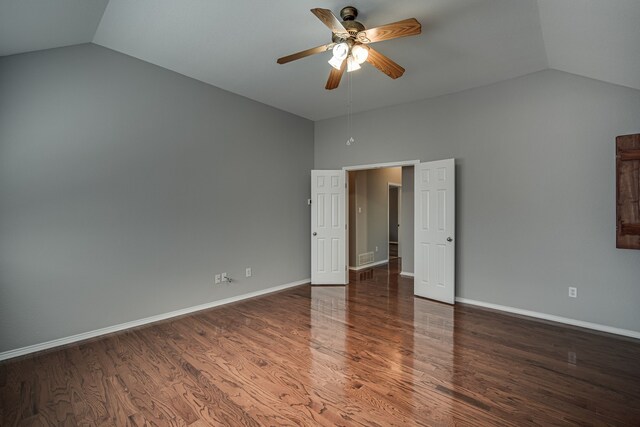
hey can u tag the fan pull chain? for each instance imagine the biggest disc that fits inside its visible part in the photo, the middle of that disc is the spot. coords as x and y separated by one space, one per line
350 110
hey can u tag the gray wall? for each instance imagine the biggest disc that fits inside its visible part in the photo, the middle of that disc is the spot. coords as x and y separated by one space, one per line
125 187
535 187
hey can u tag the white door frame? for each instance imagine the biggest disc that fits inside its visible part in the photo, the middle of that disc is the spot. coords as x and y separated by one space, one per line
381 165
398 163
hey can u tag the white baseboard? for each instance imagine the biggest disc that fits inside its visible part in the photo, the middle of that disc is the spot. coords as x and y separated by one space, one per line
135 323
373 264
553 318
406 274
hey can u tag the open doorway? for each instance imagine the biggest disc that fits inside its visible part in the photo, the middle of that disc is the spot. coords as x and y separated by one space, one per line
377 210
431 193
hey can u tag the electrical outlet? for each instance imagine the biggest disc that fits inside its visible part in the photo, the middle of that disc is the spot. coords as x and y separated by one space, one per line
224 277
572 358
217 280
248 272
376 249
573 292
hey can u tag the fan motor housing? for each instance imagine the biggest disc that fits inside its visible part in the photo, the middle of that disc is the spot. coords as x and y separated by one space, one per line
353 27
349 13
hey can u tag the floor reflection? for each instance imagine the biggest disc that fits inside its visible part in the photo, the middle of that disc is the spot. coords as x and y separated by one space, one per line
382 355
327 342
434 348
380 342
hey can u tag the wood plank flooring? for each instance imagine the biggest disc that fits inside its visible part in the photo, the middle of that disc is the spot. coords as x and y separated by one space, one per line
368 354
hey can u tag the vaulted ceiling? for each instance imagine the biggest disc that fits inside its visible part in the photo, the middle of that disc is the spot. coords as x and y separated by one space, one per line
234 44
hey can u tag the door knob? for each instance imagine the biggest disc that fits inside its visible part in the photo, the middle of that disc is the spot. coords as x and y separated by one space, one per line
315 234
449 239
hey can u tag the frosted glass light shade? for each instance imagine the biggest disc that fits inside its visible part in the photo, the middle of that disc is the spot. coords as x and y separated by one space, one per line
335 62
352 64
360 53
340 51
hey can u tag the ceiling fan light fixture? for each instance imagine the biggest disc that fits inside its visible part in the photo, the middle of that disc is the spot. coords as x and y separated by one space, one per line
352 64
347 38
340 51
360 53
336 63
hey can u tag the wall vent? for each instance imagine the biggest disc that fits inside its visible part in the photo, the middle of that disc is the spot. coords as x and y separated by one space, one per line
366 258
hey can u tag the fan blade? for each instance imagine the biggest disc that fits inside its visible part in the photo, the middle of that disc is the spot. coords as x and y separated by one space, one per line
408 27
384 64
305 53
335 76
330 20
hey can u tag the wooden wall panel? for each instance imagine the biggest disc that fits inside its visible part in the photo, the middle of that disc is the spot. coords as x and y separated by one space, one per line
628 191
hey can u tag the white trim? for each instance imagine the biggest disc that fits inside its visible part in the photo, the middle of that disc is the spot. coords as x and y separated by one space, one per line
553 318
135 323
381 165
373 264
406 274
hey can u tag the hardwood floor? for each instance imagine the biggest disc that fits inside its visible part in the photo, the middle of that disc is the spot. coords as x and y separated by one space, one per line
368 354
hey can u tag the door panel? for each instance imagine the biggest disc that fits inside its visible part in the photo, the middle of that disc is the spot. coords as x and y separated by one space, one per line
328 227
435 230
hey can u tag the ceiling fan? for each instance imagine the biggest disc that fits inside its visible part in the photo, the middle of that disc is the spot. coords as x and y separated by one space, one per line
350 44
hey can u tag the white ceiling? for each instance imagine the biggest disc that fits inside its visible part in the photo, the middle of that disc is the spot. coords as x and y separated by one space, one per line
594 38
27 25
234 45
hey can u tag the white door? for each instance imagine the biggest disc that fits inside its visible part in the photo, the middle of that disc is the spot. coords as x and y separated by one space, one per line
328 228
435 230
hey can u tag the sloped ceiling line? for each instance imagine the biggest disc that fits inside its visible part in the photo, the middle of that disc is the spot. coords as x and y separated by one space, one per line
234 45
